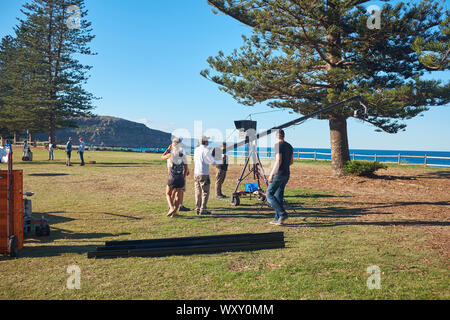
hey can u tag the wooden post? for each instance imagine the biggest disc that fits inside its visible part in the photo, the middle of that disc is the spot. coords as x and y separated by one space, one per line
375 157
353 157
298 155
399 156
426 160
315 155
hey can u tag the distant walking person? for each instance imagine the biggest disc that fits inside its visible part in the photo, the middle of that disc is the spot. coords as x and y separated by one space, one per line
221 172
50 151
69 152
279 177
202 158
81 149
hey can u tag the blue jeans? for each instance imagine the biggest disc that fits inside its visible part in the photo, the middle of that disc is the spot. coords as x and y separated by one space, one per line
275 195
82 158
50 155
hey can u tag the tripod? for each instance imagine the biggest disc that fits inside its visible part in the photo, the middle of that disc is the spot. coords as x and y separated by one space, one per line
253 162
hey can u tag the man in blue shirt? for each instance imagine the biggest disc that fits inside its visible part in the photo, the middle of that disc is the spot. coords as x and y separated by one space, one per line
68 152
81 149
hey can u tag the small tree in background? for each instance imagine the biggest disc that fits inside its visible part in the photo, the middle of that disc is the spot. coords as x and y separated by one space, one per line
306 54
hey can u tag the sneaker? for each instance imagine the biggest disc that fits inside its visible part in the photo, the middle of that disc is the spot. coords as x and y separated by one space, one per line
282 220
171 213
220 197
275 222
198 212
183 208
205 212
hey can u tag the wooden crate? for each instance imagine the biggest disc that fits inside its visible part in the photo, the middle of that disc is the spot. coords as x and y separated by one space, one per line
18 209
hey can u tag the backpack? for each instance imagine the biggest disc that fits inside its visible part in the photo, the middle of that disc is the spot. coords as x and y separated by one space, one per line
177 169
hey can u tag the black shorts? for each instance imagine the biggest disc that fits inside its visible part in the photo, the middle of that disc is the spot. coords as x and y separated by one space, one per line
176 182
69 154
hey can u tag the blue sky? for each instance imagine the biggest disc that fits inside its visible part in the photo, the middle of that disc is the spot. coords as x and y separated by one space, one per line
150 54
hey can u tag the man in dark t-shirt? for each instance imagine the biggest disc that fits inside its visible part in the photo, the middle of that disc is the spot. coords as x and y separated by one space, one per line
279 177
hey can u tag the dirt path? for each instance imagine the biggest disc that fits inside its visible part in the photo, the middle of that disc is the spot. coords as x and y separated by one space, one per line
401 197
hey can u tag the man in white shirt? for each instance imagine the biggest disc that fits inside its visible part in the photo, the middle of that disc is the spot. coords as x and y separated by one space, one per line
81 149
202 159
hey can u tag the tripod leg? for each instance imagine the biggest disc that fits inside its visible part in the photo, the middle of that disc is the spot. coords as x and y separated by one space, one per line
242 174
262 169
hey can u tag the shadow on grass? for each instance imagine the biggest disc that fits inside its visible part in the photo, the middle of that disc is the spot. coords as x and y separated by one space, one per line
429 175
54 251
56 233
445 174
52 217
414 223
47 174
42 250
391 178
316 196
59 233
333 213
255 212
403 204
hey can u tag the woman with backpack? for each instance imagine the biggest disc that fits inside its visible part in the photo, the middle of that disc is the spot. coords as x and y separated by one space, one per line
179 170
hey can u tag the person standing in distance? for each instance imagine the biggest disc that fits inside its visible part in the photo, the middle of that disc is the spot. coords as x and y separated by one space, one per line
279 177
81 149
68 152
50 151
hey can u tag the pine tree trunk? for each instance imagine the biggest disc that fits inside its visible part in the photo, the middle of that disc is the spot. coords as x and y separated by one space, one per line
339 145
15 138
51 132
32 139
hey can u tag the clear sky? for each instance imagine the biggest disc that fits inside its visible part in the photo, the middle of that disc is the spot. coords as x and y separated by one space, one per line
150 54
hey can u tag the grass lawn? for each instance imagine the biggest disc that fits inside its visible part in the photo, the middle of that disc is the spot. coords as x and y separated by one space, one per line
122 197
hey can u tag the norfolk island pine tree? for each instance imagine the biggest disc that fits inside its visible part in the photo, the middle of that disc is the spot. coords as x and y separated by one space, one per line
45 79
306 54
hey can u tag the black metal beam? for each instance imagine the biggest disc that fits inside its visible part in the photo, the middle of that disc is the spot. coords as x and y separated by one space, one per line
186 250
190 245
181 243
212 238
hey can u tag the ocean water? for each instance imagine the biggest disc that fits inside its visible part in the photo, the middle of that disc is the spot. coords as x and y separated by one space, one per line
406 156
